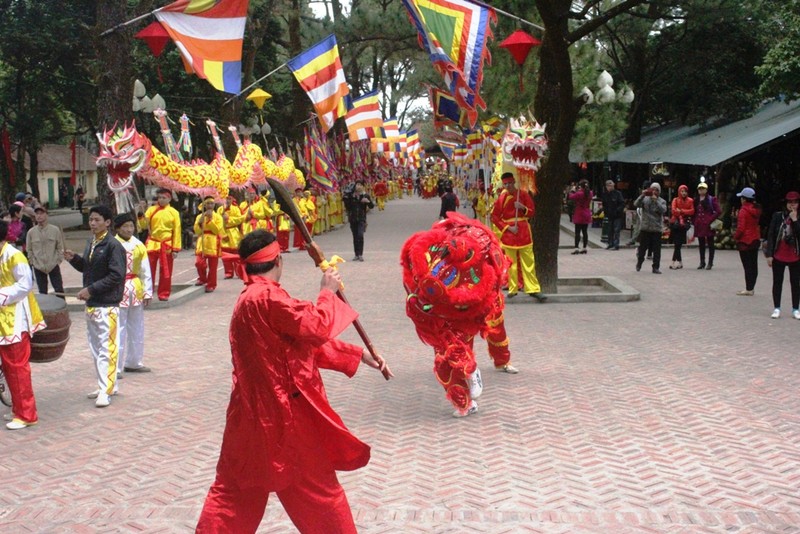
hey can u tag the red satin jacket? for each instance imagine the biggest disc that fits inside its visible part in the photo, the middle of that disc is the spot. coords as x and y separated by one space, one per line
505 215
278 345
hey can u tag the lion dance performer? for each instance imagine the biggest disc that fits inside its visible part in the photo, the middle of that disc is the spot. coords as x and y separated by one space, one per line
453 275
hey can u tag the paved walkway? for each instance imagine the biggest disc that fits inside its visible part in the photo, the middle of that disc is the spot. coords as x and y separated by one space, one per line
676 413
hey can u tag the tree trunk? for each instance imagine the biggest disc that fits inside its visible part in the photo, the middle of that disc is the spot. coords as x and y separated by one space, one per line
300 101
114 78
556 107
33 174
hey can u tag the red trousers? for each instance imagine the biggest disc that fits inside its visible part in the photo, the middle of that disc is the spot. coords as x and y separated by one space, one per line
229 264
17 370
298 239
207 270
164 276
315 501
494 331
283 240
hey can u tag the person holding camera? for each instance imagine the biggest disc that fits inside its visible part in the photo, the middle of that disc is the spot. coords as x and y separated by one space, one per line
679 222
783 250
582 216
653 208
358 204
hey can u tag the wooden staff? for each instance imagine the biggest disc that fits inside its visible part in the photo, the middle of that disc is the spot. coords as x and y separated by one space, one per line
284 198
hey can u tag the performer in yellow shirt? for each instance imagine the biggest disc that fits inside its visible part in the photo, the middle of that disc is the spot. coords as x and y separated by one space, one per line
209 228
301 206
232 218
163 241
255 212
311 208
136 296
19 318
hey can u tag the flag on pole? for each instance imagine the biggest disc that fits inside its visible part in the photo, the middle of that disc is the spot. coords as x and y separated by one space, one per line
364 119
446 110
391 129
454 33
209 35
319 72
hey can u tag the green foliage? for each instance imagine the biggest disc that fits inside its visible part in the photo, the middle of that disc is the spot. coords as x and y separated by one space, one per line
780 71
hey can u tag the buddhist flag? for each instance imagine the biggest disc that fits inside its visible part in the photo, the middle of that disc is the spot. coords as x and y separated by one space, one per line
364 119
391 129
319 72
209 35
455 34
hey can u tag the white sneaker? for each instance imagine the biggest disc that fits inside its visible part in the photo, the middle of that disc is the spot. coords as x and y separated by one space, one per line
507 368
796 314
102 401
475 384
95 393
776 313
473 408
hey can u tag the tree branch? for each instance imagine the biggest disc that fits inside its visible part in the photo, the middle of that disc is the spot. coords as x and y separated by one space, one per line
590 26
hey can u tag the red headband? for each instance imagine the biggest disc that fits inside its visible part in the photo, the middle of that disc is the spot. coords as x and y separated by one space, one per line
266 254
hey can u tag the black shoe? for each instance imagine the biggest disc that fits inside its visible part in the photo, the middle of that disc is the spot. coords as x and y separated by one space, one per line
638 267
511 295
656 271
538 296
701 266
709 266
616 248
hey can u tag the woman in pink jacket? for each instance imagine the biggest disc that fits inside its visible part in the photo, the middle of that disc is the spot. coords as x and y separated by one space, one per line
582 217
748 238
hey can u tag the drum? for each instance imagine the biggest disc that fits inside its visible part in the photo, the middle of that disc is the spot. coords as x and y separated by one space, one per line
48 345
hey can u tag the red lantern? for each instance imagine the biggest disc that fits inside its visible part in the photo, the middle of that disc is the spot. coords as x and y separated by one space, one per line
519 44
156 38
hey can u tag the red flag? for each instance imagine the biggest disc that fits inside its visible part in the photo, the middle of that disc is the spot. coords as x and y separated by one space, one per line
5 140
74 173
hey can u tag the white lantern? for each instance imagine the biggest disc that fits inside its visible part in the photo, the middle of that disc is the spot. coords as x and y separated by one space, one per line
266 129
147 105
604 79
605 95
628 97
587 95
138 89
158 102
136 105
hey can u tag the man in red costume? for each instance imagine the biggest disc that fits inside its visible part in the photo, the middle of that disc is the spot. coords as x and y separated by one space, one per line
281 435
510 215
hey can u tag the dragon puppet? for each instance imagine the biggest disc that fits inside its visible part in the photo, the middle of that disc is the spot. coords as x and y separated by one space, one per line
453 275
524 145
127 152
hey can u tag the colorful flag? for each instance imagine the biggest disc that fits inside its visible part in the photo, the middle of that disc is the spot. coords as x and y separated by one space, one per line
454 33
364 119
320 166
319 71
446 110
391 129
209 35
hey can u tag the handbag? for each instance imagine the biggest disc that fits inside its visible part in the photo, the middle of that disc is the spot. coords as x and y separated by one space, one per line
716 225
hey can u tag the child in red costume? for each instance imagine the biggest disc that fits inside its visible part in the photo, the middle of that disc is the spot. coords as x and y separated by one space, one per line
281 435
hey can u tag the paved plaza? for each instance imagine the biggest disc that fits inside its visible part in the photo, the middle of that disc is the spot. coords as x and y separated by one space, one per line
679 412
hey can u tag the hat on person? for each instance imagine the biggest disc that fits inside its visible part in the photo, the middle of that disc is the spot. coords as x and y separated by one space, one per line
40 209
19 196
748 193
792 195
123 218
702 185
655 185
682 187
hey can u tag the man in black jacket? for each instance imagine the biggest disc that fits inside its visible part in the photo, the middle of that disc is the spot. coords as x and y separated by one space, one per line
357 205
614 210
103 268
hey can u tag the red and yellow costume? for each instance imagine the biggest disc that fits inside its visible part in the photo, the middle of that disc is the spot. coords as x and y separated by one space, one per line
255 214
163 240
281 435
517 246
209 234
381 192
453 275
299 242
231 237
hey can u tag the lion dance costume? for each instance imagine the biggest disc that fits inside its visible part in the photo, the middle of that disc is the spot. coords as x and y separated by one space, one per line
453 275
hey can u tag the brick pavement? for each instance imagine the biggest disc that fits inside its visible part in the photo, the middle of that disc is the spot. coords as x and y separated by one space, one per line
676 413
